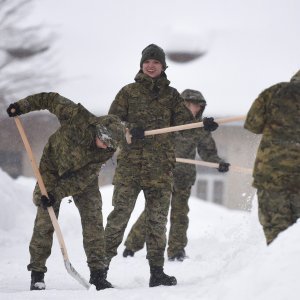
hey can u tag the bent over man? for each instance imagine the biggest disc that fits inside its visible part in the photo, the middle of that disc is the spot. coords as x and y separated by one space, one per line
70 166
276 115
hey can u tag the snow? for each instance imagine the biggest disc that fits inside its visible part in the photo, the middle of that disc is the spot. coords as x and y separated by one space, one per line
248 48
228 258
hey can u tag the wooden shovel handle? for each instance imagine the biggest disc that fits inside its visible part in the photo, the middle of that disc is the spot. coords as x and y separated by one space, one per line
191 125
42 187
213 165
183 127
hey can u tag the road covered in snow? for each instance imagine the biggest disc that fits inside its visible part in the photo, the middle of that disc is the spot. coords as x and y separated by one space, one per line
228 258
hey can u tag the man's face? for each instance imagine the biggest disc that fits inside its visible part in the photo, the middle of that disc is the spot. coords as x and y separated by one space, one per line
100 144
152 68
195 108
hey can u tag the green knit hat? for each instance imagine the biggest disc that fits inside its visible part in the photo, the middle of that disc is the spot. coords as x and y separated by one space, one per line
193 96
154 52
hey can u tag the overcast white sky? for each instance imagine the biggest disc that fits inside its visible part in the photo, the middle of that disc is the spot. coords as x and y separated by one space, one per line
250 45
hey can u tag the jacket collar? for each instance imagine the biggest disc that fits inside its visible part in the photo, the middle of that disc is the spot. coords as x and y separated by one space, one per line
151 83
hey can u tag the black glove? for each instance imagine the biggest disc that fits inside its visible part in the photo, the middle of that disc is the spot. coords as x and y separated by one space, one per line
223 167
209 124
16 108
47 201
137 133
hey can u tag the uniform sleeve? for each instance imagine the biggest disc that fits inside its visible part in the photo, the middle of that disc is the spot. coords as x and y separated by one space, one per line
119 106
260 111
181 114
76 182
60 106
206 147
256 117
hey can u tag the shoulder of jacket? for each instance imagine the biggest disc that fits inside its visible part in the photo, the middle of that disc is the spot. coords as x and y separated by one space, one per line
130 87
173 92
273 89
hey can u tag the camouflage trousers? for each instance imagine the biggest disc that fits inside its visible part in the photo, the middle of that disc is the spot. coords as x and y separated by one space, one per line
89 204
156 214
277 210
178 227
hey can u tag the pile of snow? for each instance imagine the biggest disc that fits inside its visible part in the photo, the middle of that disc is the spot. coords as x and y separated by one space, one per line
17 210
228 258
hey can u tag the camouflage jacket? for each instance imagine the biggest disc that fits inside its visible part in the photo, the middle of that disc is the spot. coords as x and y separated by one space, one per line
186 144
70 161
276 115
149 104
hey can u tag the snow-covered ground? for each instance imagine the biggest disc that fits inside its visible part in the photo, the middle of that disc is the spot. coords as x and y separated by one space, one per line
228 259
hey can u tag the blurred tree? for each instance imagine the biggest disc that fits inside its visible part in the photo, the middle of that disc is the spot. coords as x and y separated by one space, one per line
26 64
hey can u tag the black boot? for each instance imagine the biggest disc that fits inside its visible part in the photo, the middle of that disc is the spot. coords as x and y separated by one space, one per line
158 277
98 278
180 256
37 281
128 252
105 272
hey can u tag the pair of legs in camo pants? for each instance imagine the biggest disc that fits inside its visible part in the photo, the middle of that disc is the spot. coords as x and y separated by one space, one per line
277 210
179 222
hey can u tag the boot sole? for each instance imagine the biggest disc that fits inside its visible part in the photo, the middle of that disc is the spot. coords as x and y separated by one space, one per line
173 282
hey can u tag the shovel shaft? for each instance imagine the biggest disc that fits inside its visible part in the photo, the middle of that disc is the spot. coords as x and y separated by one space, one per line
184 127
191 126
42 187
63 248
213 165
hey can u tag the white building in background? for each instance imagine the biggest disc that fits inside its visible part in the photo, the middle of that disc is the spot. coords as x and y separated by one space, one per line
233 189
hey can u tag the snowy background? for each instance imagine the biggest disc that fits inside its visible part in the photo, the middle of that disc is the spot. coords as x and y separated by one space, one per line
228 259
249 45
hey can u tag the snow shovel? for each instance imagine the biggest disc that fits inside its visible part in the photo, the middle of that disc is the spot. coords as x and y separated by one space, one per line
184 127
53 218
213 165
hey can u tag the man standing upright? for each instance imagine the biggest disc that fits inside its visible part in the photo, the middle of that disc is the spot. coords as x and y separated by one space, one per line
186 143
148 162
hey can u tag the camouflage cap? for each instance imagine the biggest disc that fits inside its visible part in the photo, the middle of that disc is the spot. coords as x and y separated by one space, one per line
105 135
193 96
296 77
154 52
111 131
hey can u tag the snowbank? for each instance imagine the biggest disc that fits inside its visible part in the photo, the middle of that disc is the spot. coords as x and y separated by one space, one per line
228 258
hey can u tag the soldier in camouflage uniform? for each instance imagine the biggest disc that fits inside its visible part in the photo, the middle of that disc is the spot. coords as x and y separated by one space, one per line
276 115
186 143
147 163
70 166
